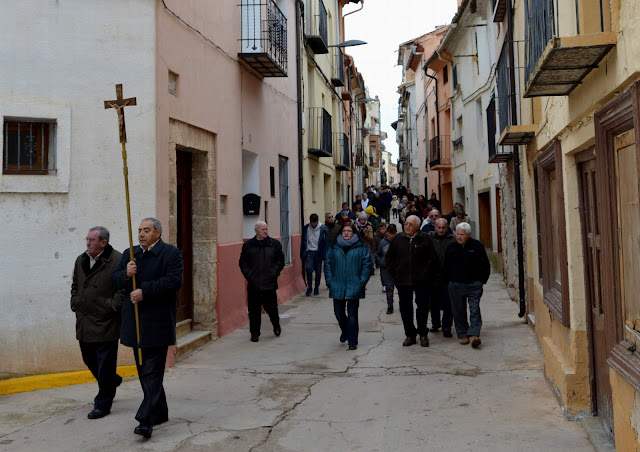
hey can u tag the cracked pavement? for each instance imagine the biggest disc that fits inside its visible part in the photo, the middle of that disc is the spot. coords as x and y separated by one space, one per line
304 391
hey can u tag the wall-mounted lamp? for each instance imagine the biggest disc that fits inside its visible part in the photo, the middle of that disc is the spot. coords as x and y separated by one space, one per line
349 43
366 99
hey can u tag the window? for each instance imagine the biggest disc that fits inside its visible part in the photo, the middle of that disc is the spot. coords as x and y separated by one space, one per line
554 272
173 83
539 233
445 75
29 146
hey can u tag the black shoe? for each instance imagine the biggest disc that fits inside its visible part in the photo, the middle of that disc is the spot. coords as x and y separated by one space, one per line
308 292
277 330
446 333
390 310
343 338
97 413
144 430
424 341
255 338
353 347
434 329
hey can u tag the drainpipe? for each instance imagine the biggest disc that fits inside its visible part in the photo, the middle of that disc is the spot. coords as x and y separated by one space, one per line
299 18
435 80
516 170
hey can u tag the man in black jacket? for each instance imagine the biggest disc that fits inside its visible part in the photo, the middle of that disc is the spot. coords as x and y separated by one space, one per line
411 260
158 269
261 262
467 268
441 237
97 306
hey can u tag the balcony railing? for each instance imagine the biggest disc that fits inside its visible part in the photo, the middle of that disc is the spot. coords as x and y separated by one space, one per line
264 37
440 151
320 138
342 155
317 38
337 73
496 155
556 61
457 144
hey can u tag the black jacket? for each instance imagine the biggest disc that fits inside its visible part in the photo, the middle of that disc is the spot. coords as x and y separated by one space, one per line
412 261
159 276
441 242
94 300
261 262
466 264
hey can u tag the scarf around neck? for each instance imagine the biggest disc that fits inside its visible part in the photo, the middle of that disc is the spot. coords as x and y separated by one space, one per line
344 243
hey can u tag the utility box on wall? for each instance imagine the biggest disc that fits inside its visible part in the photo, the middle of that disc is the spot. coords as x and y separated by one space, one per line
251 204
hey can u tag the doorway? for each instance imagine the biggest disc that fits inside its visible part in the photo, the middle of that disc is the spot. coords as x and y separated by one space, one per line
484 219
185 232
498 220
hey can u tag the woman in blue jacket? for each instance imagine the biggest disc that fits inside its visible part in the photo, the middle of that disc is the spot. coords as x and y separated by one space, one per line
347 269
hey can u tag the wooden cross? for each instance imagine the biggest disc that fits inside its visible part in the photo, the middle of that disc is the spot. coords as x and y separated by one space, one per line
119 105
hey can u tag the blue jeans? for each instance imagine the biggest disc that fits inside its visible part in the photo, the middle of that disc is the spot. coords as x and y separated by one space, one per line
460 295
313 263
387 282
348 321
405 295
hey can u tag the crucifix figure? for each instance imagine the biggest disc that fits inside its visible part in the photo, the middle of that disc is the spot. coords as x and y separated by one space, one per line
119 105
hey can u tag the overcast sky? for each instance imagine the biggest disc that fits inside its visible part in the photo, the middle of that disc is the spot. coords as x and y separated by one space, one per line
384 25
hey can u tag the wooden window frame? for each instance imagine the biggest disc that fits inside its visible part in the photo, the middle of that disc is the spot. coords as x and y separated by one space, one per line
44 130
557 300
536 190
618 116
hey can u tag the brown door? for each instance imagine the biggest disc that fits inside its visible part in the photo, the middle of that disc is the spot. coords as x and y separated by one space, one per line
499 220
484 218
592 249
185 233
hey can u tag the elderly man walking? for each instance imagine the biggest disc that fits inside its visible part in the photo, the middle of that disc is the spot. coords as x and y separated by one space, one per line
442 238
467 268
97 306
261 262
411 260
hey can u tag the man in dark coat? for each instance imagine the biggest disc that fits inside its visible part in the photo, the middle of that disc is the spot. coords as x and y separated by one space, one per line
333 228
313 250
467 268
411 260
158 269
261 262
441 237
97 306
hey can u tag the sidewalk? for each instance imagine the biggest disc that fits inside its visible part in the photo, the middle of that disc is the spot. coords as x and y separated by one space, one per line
303 391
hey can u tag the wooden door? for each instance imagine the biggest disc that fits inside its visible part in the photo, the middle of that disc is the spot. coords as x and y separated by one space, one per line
484 218
498 220
185 233
600 385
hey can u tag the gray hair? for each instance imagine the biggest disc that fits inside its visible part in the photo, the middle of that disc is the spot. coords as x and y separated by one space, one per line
464 227
362 215
414 219
258 223
327 213
156 223
441 220
104 233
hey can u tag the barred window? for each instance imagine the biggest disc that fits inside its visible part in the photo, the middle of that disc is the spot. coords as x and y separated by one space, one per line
28 146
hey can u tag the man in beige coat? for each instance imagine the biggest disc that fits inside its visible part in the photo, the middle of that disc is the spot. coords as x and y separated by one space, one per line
97 306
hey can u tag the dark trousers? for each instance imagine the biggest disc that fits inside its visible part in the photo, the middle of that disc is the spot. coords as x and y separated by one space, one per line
460 295
440 301
348 321
405 294
313 263
395 213
387 282
153 409
101 358
257 299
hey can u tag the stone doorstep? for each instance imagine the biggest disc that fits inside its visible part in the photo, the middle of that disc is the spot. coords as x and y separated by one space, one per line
597 435
183 328
190 342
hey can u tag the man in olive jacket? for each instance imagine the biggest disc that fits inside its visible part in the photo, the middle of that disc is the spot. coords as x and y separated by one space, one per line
158 268
412 260
97 306
261 262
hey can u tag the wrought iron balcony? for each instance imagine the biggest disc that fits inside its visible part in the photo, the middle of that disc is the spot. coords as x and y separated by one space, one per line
496 155
320 138
317 37
555 65
264 37
457 144
337 77
342 156
440 152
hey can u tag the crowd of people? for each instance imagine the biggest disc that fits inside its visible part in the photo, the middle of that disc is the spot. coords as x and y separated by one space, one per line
442 271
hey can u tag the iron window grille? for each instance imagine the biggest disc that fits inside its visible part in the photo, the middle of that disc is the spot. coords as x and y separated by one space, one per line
29 146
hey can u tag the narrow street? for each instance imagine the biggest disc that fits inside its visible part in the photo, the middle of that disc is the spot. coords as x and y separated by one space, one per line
304 391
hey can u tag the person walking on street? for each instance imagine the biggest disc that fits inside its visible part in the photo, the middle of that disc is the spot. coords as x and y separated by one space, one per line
461 217
261 262
333 228
394 206
441 237
387 280
313 250
158 269
411 260
347 270
378 236
364 230
97 306
467 268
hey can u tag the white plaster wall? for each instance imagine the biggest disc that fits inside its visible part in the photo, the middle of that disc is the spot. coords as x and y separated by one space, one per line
66 57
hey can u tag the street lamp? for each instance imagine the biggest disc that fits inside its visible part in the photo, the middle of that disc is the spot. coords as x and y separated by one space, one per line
366 99
349 43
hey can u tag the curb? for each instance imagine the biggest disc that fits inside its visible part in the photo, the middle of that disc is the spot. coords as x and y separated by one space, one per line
46 381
